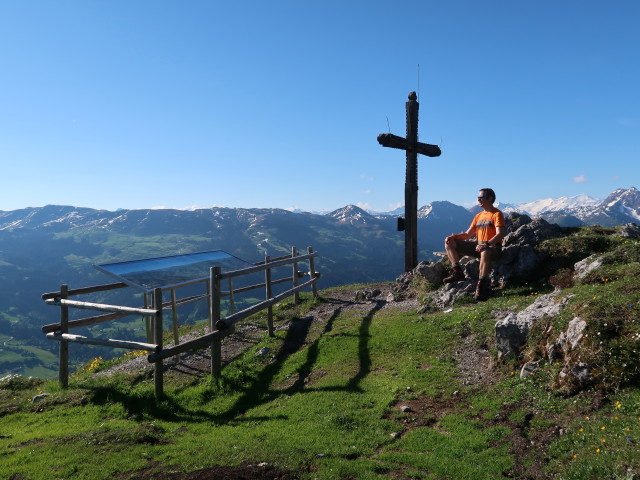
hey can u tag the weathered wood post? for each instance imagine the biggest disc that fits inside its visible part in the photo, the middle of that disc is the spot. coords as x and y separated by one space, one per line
232 302
148 299
157 339
268 295
412 148
216 347
296 296
63 357
174 316
411 187
208 290
312 272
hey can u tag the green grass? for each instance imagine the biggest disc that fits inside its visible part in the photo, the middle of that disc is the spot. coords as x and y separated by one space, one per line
336 424
330 408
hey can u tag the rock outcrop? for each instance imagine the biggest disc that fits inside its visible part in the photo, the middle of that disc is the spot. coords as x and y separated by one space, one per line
512 331
629 230
519 261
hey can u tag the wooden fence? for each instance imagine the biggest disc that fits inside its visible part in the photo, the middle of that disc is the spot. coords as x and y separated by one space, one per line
154 307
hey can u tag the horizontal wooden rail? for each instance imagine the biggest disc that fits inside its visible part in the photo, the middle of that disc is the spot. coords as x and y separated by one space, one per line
61 302
259 268
261 262
83 322
262 285
100 341
200 342
186 300
231 319
85 290
186 284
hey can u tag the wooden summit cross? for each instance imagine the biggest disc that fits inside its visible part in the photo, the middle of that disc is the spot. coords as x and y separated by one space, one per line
412 148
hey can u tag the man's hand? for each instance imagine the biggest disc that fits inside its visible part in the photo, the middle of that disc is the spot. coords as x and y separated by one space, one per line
450 240
481 247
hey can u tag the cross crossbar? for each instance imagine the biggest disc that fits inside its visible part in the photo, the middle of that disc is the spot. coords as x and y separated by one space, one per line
401 143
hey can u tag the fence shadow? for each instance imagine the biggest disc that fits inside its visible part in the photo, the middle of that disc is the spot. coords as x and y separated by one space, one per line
261 391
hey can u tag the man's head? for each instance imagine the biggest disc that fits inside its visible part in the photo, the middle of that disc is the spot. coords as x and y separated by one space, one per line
486 195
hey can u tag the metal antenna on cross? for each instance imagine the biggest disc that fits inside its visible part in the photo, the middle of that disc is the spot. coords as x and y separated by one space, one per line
412 148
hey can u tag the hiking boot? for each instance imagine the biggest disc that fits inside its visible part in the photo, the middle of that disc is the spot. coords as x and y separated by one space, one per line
483 289
456 276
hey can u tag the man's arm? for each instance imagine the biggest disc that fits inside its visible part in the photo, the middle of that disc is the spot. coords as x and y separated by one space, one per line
451 239
492 241
497 237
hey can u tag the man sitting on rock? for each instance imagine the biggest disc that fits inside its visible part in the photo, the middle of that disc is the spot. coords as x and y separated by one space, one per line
488 227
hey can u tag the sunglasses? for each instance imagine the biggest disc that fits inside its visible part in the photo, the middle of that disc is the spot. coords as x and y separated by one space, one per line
482 198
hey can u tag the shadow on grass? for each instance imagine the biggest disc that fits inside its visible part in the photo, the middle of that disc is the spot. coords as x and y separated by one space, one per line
259 392
140 404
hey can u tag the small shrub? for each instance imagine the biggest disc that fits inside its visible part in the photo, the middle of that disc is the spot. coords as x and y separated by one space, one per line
18 382
628 252
612 339
566 251
562 279
420 285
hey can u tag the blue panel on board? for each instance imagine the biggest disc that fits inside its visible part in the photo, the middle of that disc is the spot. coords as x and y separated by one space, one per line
171 271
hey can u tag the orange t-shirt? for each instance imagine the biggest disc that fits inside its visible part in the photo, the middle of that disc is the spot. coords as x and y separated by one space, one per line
485 224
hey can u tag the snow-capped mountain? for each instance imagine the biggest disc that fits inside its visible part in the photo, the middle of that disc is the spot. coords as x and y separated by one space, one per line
620 207
350 214
624 202
393 213
539 207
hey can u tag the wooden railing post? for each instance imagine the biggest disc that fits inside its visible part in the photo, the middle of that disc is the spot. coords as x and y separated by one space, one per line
216 348
157 337
208 287
148 299
268 294
312 272
296 296
232 303
63 369
174 316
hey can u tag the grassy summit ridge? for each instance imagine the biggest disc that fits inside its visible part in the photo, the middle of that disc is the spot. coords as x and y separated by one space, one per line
367 391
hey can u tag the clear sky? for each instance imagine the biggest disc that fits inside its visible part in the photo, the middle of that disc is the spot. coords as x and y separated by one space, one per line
138 104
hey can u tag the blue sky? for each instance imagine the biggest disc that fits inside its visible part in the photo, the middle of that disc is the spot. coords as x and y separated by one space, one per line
139 104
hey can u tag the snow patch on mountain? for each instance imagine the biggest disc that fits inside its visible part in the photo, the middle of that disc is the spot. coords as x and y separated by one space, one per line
350 214
539 207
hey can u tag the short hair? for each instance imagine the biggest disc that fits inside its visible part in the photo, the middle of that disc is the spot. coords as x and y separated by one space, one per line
490 193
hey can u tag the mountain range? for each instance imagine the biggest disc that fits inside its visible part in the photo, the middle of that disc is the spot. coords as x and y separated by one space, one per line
620 207
44 247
